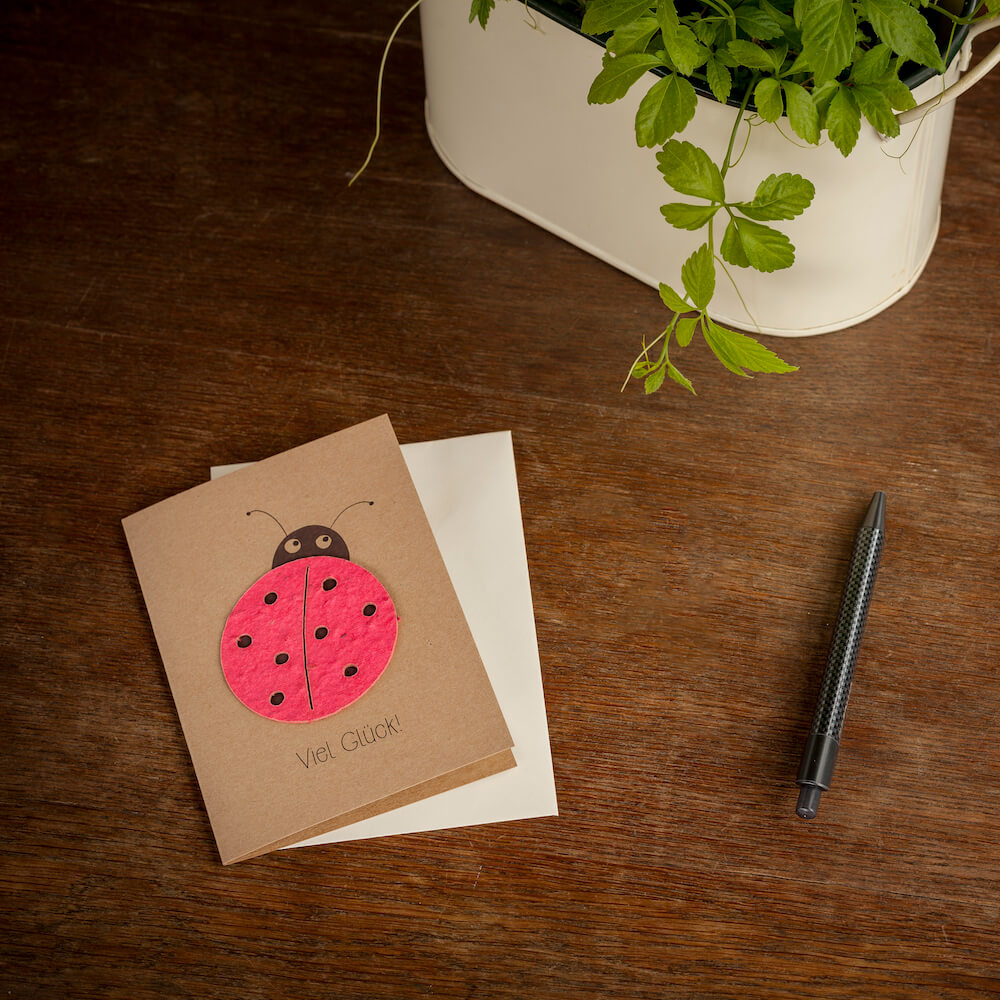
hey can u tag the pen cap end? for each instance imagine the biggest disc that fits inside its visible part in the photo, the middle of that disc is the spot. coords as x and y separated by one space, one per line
808 803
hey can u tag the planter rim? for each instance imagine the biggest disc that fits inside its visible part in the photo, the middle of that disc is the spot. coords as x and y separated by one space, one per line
921 74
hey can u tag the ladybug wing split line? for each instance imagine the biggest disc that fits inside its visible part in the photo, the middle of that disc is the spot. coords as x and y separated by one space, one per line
305 654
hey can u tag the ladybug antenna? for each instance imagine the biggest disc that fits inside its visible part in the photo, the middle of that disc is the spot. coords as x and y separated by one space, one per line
271 516
349 506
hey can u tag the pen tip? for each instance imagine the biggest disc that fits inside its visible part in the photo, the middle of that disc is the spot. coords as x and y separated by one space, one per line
808 802
875 518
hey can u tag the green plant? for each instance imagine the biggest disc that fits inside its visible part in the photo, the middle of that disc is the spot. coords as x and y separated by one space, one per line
825 65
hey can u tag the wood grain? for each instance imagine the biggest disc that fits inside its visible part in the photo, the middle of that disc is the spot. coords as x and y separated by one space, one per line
186 281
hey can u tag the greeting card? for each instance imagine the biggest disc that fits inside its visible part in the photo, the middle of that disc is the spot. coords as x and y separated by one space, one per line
321 665
468 490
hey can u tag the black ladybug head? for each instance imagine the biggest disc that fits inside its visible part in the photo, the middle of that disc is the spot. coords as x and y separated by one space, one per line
312 540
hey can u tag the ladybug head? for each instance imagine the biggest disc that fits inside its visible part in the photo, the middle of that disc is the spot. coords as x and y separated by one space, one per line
311 540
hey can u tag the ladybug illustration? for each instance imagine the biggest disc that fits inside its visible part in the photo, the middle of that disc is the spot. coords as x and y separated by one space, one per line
313 634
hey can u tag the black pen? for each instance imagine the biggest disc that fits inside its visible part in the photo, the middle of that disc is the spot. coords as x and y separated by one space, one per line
820 755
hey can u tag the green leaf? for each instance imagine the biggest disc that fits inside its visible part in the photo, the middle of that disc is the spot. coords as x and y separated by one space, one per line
481 9
750 55
802 113
737 351
822 96
777 55
843 120
602 16
799 65
779 196
683 216
633 37
685 329
767 97
719 79
757 22
682 46
905 30
618 75
666 15
689 170
897 92
828 29
698 276
665 110
785 22
720 348
764 248
723 56
707 31
672 300
875 106
679 378
872 66
731 247
685 51
655 379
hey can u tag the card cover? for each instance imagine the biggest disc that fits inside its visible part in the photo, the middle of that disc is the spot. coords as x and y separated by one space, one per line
321 666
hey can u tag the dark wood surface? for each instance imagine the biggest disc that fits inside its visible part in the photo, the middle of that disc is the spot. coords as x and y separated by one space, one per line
187 280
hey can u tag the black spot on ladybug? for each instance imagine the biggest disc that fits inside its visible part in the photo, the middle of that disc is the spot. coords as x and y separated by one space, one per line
350 670
277 698
270 598
281 658
243 641
329 584
312 540
369 610
321 633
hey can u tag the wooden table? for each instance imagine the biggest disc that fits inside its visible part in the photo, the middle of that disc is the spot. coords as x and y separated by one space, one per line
187 280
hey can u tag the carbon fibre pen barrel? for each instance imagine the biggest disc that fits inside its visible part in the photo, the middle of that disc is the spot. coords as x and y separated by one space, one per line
820 755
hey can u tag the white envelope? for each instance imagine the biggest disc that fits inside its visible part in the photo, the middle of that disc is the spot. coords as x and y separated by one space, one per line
468 488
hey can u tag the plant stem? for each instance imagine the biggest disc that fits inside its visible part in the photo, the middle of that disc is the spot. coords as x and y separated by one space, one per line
644 353
722 8
958 19
378 92
736 124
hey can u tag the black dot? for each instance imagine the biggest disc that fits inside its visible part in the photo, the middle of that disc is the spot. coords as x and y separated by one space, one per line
329 584
369 610
281 658
321 633
277 698
243 641
350 670
270 598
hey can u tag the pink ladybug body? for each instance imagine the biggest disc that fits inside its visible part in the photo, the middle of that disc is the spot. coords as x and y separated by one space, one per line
310 637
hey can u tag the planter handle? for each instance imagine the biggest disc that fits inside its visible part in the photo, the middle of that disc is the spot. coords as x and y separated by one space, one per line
962 85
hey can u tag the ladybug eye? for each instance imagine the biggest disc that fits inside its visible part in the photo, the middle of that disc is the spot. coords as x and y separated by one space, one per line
292 545
324 542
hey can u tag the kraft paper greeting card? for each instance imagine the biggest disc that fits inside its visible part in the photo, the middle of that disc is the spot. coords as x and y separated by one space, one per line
468 489
318 656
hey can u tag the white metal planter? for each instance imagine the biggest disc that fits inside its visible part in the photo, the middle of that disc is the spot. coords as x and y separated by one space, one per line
507 112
